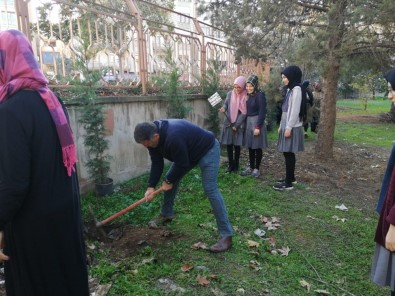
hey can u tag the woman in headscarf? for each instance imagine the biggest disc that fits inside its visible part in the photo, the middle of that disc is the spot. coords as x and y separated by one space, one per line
232 133
40 215
383 267
255 137
290 132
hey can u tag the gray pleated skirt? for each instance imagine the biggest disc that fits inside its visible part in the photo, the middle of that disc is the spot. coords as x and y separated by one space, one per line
295 143
383 267
229 137
251 141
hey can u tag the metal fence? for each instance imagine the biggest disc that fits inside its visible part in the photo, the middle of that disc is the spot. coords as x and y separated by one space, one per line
132 43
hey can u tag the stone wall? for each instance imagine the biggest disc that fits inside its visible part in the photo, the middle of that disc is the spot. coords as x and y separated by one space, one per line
129 159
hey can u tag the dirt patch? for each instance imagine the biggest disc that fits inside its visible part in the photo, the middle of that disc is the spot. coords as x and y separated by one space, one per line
127 240
354 174
361 118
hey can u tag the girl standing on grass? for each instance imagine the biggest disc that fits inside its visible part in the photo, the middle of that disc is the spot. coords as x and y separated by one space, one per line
255 137
233 127
383 267
290 132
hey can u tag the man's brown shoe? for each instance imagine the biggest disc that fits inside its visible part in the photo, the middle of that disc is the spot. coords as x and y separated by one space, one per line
222 245
160 220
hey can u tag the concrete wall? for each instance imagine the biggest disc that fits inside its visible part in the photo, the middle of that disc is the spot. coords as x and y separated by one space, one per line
129 159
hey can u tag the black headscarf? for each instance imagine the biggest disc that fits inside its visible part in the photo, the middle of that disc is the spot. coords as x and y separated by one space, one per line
294 76
253 80
390 77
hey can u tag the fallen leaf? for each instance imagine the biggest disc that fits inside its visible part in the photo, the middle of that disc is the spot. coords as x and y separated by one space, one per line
306 285
186 267
253 264
202 280
199 245
212 277
272 226
102 290
272 242
275 219
284 251
325 292
91 246
148 261
339 219
253 244
263 219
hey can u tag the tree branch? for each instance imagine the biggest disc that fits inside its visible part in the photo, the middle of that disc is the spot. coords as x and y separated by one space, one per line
312 6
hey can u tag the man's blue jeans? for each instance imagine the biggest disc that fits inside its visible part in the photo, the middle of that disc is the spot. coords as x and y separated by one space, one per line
209 166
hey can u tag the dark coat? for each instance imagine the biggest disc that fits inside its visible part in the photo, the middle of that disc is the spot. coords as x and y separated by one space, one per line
386 204
181 142
39 204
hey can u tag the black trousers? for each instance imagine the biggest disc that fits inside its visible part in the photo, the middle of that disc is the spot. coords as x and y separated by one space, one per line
290 161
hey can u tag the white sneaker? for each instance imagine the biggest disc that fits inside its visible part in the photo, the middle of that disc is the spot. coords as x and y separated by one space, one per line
246 172
255 173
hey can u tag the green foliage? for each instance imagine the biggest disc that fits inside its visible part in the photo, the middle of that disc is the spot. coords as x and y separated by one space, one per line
169 83
92 115
273 96
211 84
364 84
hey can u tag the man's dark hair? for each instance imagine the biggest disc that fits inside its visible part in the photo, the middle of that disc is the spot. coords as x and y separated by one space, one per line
144 131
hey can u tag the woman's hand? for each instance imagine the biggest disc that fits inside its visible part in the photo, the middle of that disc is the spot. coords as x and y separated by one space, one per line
3 257
257 131
222 109
287 133
390 239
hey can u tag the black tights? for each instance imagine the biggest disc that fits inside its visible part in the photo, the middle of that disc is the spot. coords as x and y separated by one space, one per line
233 161
255 156
392 293
290 161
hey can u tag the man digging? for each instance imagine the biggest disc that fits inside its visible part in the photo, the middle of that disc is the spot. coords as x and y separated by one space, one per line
186 145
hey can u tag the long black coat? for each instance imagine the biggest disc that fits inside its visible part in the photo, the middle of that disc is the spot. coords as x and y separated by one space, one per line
39 204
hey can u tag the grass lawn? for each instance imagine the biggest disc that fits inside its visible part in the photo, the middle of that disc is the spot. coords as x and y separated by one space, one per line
309 247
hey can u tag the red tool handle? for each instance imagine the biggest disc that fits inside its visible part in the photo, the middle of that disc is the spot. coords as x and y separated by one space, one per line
125 210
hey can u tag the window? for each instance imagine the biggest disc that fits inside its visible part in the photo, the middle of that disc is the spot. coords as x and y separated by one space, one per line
11 19
48 57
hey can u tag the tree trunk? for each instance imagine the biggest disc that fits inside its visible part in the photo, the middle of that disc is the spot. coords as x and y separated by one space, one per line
326 131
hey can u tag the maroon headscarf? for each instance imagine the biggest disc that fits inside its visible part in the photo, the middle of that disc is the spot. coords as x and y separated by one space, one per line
20 70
